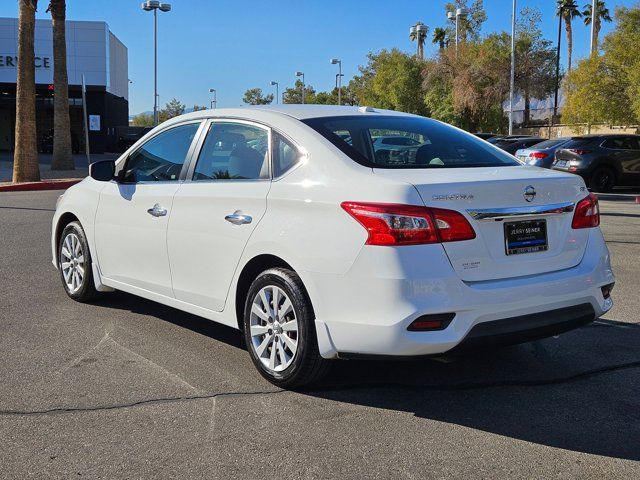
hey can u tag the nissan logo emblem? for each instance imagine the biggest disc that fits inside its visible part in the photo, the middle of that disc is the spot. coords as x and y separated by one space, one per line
529 193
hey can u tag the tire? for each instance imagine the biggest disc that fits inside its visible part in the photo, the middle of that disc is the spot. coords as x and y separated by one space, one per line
74 264
602 180
265 330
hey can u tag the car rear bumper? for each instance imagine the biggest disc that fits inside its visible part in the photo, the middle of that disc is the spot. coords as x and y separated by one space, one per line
367 311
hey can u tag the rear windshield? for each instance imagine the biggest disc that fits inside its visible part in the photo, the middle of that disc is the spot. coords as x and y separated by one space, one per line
580 142
428 144
550 143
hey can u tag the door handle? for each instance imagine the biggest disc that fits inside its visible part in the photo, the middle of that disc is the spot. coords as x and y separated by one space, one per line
238 219
157 211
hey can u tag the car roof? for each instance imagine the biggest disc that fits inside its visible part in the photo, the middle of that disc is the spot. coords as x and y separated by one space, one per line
298 111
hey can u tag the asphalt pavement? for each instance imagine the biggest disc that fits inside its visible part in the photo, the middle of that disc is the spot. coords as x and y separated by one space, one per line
126 388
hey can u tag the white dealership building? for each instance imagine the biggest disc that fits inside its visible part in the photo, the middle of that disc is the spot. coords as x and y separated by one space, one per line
93 51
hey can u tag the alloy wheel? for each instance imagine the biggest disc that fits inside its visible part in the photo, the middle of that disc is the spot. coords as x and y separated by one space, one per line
274 328
72 262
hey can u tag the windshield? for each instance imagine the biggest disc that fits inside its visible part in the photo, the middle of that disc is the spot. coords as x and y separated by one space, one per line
418 142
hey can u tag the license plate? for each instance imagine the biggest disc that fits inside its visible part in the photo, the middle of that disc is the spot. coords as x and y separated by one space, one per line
528 236
522 158
561 163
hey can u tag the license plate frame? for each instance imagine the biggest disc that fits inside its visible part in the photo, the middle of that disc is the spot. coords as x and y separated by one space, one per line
525 236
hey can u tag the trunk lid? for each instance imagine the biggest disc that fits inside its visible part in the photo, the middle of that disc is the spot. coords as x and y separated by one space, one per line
494 193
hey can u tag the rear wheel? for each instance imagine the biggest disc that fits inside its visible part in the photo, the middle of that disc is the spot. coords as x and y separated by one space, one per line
279 330
602 180
74 264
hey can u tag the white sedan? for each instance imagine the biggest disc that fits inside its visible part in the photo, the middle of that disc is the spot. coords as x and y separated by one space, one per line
282 222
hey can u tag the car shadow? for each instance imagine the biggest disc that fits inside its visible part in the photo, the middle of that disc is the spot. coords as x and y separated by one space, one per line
125 301
579 391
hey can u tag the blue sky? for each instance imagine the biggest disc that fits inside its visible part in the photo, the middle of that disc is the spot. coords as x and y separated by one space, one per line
234 45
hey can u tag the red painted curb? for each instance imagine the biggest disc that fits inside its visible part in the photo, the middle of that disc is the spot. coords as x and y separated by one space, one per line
43 185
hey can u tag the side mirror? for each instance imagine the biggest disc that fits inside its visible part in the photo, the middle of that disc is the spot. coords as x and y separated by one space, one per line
102 171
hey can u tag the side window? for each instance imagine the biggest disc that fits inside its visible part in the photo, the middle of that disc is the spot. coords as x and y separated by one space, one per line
233 151
161 158
285 155
633 143
617 143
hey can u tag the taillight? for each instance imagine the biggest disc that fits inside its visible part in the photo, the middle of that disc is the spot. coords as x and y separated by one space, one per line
396 224
587 213
538 155
578 151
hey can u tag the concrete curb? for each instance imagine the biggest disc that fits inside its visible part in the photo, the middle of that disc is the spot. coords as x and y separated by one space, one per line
58 184
619 197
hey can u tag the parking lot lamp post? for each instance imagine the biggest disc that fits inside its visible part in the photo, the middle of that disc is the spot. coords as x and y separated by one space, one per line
148 6
301 74
513 66
454 17
335 61
277 95
214 100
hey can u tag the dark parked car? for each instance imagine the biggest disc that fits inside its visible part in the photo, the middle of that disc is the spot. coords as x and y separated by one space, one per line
498 138
604 161
127 136
46 143
485 136
541 154
511 145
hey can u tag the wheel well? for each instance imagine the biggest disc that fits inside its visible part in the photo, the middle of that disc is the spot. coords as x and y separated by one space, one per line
249 273
64 220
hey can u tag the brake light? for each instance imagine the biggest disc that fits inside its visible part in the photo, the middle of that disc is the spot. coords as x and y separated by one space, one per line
587 213
538 155
397 224
578 151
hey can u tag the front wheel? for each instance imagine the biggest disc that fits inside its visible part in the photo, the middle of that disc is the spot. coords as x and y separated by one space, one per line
280 332
602 180
74 264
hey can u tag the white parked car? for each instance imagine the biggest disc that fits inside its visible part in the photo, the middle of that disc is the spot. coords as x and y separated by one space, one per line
268 220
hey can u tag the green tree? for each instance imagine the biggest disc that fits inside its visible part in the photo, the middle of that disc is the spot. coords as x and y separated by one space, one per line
602 13
535 60
440 37
568 10
606 88
172 109
391 79
254 96
142 120
419 37
294 94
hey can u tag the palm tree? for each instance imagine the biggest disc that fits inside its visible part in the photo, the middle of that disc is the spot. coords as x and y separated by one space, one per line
568 10
62 157
25 155
439 37
420 37
602 13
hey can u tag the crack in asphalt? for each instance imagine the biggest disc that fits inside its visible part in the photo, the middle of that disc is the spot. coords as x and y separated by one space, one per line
360 386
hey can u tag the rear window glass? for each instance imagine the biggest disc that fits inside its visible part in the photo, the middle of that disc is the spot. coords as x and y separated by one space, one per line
407 142
578 142
550 143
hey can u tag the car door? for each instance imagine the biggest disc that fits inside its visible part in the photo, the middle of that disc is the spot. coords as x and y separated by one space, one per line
134 210
216 209
630 162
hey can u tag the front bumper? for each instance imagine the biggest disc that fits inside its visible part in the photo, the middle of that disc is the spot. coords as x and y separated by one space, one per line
366 312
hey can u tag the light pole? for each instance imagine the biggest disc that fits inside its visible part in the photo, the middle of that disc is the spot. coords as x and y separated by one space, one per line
419 32
454 16
301 74
163 7
513 66
214 101
277 95
335 61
